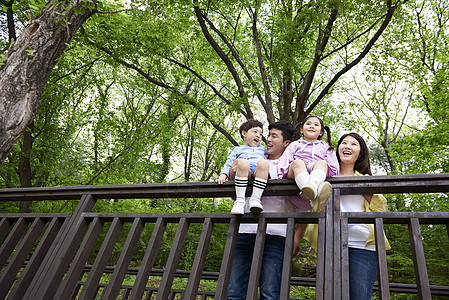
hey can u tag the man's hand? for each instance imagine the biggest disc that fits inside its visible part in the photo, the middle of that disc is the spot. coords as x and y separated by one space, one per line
221 179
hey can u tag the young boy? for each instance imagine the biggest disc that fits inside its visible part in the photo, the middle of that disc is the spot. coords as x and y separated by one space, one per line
251 162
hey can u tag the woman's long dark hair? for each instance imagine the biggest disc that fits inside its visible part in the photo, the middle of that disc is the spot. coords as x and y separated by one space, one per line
324 128
362 163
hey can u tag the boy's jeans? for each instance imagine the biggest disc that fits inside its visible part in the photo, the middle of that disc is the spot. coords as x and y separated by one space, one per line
271 273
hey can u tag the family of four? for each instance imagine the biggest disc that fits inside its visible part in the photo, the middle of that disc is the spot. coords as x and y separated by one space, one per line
308 161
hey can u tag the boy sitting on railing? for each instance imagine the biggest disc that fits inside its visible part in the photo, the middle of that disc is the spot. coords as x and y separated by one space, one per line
251 162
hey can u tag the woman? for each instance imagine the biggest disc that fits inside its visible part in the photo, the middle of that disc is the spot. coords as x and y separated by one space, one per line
353 157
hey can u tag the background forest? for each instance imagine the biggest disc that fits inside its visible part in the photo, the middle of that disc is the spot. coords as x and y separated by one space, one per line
154 91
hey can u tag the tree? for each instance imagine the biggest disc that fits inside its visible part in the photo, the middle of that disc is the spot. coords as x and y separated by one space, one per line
29 62
279 57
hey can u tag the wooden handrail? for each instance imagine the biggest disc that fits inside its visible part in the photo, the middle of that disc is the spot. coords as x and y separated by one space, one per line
388 184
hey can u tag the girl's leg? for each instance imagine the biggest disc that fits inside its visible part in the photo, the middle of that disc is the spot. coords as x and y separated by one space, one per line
298 171
260 181
318 190
240 181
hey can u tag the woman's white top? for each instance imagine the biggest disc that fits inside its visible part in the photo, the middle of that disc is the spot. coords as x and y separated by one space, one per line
357 233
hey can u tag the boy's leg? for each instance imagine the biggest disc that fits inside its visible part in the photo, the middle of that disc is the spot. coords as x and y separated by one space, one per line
241 182
259 184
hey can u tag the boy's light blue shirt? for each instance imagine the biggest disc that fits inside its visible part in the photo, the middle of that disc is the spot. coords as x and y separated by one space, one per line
253 154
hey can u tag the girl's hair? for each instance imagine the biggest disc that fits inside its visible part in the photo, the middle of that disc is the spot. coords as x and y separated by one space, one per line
362 163
324 128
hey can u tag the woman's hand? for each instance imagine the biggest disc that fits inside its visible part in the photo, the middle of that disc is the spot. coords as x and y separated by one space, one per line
368 197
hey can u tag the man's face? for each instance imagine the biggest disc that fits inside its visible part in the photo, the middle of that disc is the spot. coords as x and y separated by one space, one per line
275 143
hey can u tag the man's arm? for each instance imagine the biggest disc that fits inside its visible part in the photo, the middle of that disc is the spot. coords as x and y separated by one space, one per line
299 231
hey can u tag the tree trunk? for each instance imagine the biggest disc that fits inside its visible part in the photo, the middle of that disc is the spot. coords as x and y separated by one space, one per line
28 64
25 168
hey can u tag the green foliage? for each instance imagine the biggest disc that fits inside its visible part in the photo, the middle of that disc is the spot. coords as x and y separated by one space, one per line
138 96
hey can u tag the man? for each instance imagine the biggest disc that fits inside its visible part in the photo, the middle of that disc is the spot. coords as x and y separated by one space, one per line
279 137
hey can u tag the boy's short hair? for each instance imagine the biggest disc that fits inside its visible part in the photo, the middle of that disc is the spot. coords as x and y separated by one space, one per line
248 125
288 130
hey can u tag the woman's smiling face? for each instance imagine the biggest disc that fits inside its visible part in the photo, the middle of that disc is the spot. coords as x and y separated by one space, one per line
349 150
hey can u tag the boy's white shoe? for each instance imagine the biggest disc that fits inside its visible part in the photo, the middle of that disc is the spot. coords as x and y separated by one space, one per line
323 194
308 192
238 208
255 206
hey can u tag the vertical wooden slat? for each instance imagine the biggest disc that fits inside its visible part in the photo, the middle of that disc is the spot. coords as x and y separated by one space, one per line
20 287
256 263
447 229
122 265
173 259
126 293
149 294
419 260
21 253
198 262
12 240
287 263
329 256
55 264
336 247
148 260
384 286
228 255
344 259
90 288
5 225
75 271
320 259
76 291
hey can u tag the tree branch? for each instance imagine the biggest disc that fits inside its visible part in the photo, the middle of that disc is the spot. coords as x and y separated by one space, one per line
321 44
168 87
201 20
267 104
207 83
372 41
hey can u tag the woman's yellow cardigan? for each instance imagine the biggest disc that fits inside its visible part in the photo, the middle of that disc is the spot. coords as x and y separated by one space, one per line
378 204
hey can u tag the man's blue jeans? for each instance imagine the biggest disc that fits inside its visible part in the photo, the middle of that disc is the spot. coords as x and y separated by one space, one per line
271 273
362 273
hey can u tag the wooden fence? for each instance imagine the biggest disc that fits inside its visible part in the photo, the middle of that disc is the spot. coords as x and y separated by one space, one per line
46 256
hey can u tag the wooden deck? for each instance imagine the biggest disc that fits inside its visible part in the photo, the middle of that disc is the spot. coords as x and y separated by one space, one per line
46 256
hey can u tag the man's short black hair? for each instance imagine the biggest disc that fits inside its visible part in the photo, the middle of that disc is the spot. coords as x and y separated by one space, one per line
288 131
248 125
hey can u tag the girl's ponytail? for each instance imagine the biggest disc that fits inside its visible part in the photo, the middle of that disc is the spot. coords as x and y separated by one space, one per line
328 139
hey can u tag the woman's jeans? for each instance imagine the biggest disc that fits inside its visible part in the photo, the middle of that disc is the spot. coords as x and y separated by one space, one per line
271 273
362 273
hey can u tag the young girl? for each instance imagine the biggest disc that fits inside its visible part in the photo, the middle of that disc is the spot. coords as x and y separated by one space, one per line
309 161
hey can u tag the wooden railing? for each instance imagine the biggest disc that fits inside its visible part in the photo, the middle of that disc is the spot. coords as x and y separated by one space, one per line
46 256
